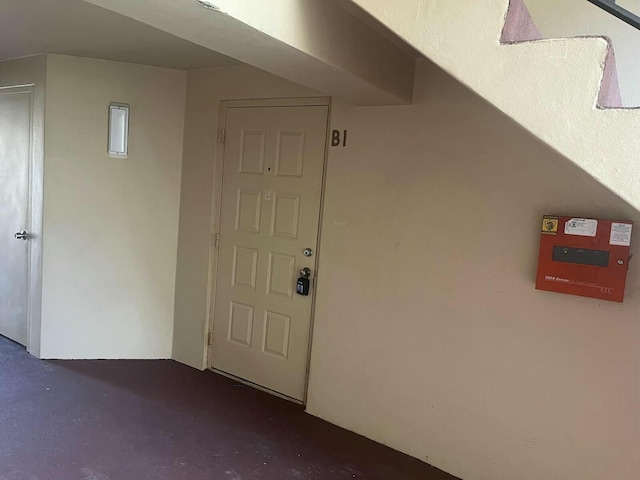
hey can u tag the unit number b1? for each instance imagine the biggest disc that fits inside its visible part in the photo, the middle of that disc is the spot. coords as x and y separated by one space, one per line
338 138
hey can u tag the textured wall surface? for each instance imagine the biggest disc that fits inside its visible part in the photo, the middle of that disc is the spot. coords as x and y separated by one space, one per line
429 336
572 18
110 225
550 87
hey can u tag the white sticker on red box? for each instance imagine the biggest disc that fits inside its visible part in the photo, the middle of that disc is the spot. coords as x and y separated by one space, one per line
620 234
585 227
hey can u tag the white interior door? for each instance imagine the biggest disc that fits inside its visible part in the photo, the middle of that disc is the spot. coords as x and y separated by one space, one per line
15 147
271 194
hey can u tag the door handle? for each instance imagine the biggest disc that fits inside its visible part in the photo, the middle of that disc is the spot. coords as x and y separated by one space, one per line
23 235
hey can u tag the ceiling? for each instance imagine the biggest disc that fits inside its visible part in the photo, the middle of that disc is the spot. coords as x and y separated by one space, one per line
74 27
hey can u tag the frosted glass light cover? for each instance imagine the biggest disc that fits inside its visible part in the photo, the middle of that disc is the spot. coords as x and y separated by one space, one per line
118 129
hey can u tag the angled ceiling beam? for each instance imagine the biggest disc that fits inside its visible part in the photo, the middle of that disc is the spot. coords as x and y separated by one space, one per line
315 43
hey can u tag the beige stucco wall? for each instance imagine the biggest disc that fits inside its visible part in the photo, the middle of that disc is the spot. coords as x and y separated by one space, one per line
570 18
429 335
110 225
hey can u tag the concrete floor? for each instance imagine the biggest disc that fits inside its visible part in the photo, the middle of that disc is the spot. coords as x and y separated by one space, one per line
138 420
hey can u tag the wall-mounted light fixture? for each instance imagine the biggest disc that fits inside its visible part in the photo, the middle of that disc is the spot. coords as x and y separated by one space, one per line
118 130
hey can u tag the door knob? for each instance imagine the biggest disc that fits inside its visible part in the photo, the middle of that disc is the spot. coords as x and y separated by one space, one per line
23 235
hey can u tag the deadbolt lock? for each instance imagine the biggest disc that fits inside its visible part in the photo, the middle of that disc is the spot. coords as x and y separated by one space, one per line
303 285
305 272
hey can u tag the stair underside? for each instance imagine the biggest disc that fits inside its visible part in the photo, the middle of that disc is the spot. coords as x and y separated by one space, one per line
564 90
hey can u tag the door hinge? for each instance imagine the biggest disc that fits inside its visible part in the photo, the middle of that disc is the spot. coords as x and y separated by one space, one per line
210 339
223 135
217 240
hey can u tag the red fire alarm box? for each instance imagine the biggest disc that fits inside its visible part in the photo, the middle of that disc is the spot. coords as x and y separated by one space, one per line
584 256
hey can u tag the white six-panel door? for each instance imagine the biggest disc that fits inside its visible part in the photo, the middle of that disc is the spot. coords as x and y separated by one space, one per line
270 210
15 154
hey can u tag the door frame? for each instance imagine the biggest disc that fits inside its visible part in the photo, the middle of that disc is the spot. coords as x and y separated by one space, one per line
216 212
34 220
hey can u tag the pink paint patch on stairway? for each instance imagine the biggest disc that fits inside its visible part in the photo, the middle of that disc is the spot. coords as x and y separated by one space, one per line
609 95
518 24
519 27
